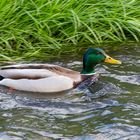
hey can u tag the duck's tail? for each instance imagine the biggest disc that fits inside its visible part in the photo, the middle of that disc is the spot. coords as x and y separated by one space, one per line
1 78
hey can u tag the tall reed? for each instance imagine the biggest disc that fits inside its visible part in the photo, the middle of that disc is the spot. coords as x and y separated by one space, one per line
30 27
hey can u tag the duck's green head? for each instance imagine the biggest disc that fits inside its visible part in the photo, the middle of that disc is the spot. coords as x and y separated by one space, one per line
94 56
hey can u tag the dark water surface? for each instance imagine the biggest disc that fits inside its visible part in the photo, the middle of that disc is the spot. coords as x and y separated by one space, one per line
110 110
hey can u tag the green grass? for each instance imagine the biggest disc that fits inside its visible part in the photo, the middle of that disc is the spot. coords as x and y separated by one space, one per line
38 28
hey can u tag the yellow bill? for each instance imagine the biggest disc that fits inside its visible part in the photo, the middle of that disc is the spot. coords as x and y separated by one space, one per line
112 60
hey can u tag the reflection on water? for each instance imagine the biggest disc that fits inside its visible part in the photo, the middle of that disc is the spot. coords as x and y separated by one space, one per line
108 110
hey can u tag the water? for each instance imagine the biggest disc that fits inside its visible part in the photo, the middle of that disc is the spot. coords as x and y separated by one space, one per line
109 110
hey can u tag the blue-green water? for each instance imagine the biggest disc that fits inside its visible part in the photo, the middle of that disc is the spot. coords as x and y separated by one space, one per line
112 113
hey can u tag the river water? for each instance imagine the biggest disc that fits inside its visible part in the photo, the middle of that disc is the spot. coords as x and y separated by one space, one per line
108 110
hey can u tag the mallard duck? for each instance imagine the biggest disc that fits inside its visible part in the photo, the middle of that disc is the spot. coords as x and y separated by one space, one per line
47 78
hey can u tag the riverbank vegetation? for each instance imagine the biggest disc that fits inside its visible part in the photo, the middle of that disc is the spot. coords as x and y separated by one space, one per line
37 28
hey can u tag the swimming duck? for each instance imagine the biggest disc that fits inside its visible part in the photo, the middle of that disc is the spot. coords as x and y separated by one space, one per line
47 78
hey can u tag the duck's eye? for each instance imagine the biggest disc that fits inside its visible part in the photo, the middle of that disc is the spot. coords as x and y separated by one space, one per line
99 53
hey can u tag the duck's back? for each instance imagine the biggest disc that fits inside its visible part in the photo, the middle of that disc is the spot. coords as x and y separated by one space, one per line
39 77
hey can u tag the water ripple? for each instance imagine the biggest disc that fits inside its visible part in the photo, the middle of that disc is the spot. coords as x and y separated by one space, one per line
107 110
